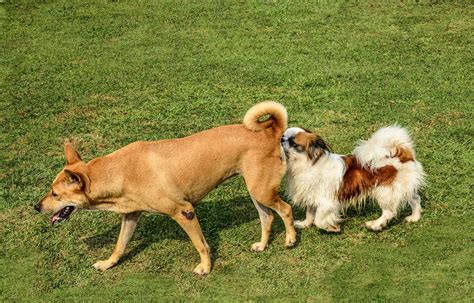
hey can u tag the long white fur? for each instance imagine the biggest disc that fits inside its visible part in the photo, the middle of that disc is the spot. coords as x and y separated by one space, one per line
316 185
378 150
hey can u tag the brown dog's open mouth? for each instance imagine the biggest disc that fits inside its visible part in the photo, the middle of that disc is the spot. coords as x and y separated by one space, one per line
62 214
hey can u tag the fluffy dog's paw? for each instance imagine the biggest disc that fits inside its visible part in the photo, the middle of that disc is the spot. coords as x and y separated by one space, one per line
328 227
373 225
103 265
202 269
413 218
301 224
333 229
258 247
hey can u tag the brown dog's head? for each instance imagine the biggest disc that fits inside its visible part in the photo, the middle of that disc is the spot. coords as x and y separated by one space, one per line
300 145
69 189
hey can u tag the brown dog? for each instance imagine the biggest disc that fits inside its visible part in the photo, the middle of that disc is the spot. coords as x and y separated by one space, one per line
171 176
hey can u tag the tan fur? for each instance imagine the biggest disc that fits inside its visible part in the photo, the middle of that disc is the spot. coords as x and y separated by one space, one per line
277 112
171 176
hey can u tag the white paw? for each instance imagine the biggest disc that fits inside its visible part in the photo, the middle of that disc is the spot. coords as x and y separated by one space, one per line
103 265
258 247
301 224
413 218
202 270
373 225
333 228
327 227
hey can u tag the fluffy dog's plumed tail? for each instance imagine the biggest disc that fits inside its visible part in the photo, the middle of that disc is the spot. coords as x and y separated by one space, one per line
390 145
278 117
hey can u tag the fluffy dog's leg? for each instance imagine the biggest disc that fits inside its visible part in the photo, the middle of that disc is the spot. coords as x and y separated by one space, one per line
415 204
380 223
186 218
327 216
389 205
129 223
266 219
309 220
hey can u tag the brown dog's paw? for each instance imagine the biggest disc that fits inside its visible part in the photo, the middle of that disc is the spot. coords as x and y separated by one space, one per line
103 265
290 241
258 247
202 270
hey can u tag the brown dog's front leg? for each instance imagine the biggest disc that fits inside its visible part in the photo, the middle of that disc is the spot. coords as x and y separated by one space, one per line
129 223
186 218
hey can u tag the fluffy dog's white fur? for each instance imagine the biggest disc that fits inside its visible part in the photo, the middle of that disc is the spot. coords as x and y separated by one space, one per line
316 185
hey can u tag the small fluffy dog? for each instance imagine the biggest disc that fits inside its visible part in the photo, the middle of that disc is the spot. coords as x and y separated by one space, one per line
171 176
383 168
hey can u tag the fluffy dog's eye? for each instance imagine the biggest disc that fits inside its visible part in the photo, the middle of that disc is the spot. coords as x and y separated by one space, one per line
296 147
291 142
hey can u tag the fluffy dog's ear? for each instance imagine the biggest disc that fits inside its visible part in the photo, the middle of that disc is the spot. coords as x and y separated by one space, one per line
72 156
316 148
80 179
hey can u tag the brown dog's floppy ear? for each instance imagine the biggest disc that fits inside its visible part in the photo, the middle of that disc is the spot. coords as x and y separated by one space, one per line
71 154
78 178
316 147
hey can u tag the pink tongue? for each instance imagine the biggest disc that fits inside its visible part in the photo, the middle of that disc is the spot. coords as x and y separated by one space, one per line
54 218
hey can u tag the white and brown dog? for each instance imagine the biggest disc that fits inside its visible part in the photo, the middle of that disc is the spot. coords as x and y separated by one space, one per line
171 176
383 168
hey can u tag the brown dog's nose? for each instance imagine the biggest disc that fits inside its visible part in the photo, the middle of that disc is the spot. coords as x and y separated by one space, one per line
37 207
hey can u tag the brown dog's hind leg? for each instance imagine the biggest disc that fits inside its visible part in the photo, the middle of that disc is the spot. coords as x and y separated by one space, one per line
284 211
186 218
266 219
129 223
262 182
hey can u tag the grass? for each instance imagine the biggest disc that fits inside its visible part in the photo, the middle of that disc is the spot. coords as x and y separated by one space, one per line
106 73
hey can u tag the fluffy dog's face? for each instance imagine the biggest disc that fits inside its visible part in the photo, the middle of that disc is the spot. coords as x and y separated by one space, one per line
68 191
302 145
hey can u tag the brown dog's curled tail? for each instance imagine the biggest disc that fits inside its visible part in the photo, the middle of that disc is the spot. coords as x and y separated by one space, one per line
278 117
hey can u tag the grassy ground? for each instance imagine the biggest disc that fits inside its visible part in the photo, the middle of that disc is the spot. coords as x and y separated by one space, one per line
108 73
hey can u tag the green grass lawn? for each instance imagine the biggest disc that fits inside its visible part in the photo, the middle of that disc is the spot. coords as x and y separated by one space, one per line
106 73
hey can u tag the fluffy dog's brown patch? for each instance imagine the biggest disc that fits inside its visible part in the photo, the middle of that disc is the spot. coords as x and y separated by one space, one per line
403 154
359 180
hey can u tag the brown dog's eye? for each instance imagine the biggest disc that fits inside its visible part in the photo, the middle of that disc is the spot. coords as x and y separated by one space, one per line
54 194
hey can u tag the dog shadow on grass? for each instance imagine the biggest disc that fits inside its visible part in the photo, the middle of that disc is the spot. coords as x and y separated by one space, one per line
213 216
371 211
217 216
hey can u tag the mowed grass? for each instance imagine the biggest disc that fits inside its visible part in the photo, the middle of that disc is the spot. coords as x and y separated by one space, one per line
103 74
